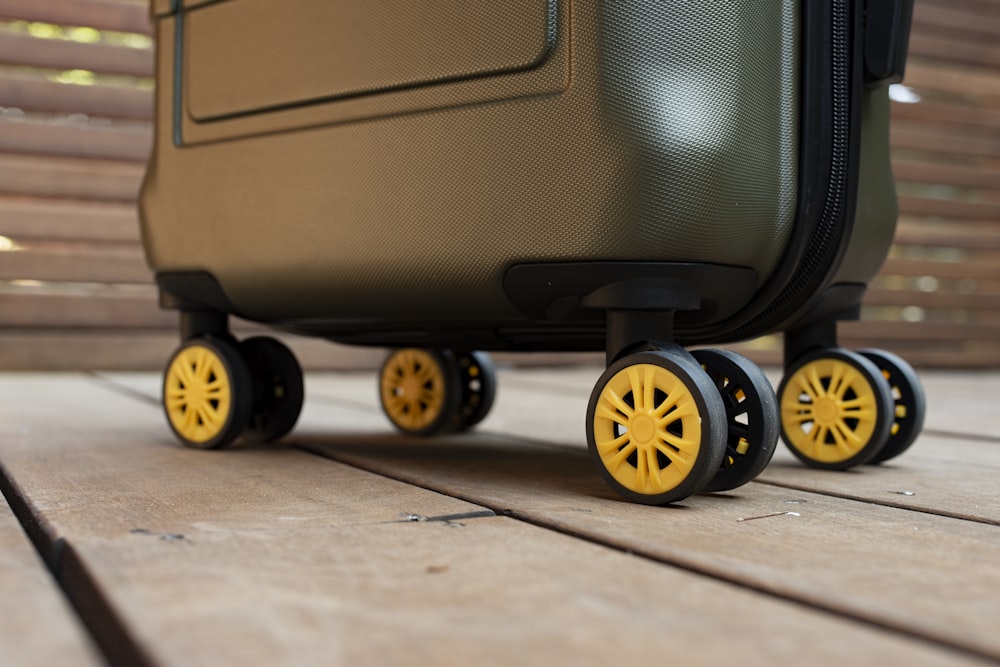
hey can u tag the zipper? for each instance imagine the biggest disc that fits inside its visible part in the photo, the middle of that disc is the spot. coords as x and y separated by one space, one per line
819 254
825 246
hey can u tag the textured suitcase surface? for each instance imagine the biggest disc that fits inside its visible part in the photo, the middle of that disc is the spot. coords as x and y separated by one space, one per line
629 131
533 174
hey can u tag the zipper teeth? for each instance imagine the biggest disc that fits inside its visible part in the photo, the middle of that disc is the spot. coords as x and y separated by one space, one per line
820 246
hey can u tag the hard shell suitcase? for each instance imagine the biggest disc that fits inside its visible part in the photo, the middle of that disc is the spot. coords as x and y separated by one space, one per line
447 176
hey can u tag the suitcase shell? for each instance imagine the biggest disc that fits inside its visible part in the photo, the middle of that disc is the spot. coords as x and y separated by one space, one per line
393 188
536 174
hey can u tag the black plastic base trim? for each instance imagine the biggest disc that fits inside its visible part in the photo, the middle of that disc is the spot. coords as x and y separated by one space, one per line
553 291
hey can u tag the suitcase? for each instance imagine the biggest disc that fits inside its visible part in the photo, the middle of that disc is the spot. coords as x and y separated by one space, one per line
443 177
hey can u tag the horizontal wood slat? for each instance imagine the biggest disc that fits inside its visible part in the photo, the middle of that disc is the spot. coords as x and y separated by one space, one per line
936 173
69 178
973 52
27 51
117 15
26 219
37 94
925 73
934 139
98 263
956 21
950 208
68 188
128 142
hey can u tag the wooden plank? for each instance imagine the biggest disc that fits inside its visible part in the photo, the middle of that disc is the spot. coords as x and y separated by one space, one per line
802 557
938 475
77 262
925 331
961 80
954 21
123 349
912 171
954 270
969 237
36 94
987 120
937 299
949 477
130 142
24 50
949 208
83 310
978 52
942 139
101 14
26 219
69 178
38 628
208 560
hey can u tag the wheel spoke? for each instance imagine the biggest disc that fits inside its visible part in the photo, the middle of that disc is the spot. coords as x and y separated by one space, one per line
805 387
190 419
860 415
615 402
649 387
208 416
816 383
636 383
642 470
803 413
203 365
733 392
738 430
845 432
672 399
616 461
850 376
837 380
683 444
675 416
607 411
675 456
735 410
185 370
610 447
654 467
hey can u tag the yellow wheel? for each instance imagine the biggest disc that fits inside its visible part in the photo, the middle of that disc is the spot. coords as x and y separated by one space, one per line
656 427
836 409
420 391
207 393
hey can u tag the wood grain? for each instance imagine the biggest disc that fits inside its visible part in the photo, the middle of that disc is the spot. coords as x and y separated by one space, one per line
277 557
28 51
117 15
125 141
38 94
39 628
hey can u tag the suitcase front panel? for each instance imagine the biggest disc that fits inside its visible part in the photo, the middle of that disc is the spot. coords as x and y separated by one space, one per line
253 55
673 138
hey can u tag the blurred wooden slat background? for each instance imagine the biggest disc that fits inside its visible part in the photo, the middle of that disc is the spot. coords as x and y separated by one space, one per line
75 129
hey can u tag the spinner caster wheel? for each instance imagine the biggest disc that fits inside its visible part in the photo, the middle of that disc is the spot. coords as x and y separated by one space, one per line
751 416
836 410
207 393
420 390
656 427
909 402
278 388
478 381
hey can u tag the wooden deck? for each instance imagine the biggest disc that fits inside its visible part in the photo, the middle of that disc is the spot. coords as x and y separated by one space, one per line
351 545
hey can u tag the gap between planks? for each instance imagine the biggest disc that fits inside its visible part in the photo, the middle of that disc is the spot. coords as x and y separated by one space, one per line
802 598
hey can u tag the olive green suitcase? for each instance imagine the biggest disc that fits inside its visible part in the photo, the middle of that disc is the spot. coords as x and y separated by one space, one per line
447 176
